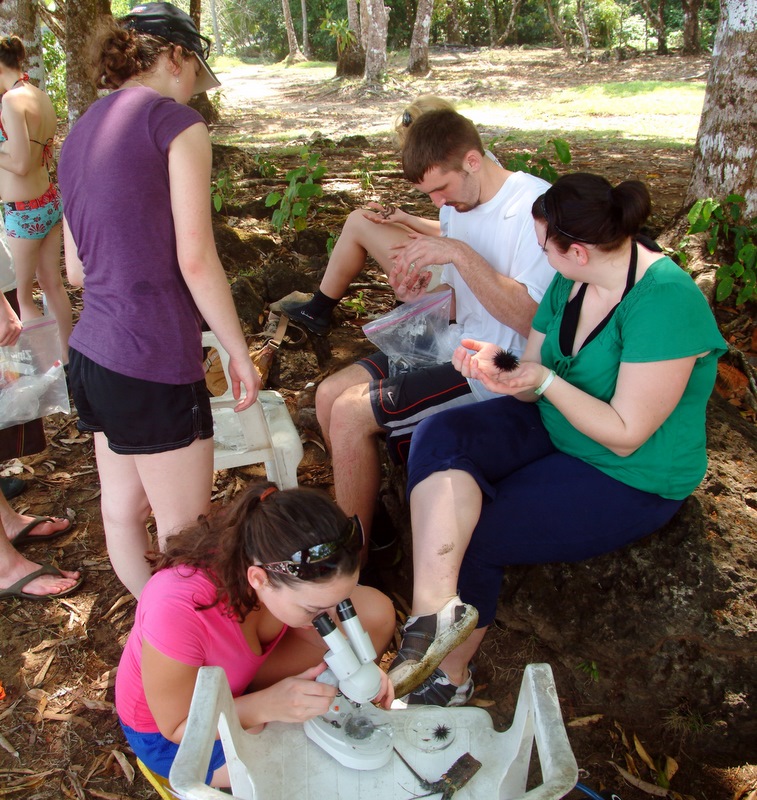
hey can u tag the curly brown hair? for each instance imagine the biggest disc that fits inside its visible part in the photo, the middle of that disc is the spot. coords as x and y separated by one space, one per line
119 53
259 527
12 52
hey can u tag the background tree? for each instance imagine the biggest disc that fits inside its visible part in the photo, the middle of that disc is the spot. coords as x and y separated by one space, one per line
656 18
418 62
556 27
217 41
81 18
295 54
725 154
692 44
305 38
510 23
375 51
583 29
19 17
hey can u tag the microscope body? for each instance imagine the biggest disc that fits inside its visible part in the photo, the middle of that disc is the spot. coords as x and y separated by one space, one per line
353 731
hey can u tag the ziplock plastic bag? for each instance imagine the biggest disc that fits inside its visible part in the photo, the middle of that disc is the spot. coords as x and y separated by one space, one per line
417 334
32 380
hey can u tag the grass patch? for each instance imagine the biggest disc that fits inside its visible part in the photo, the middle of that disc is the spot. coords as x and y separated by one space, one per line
667 112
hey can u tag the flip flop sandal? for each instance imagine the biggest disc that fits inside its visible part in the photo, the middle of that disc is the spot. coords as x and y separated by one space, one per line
17 590
24 536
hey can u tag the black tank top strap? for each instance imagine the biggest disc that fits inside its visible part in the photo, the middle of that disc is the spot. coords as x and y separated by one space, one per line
569 324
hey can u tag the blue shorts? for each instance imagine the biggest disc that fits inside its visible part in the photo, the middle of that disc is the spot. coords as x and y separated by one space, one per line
540 505
399 403
33 219
158 753
138 417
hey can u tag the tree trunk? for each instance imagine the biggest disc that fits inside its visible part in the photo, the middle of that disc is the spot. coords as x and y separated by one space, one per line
662 32
491 18
583 29
691 43
375 52
305 38
81 20
295 54
725 154
218 44
418 62
559 33
19 18
656 18
353 17
365 23
453 23
510 22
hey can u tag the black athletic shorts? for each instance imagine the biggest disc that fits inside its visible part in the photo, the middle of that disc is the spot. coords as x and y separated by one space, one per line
136 416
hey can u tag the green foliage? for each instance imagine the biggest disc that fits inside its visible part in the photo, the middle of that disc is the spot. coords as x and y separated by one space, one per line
221 189
266 169
591 669
331 242
365 169
294 203
340 30
732 239
55 73
538 163
356 304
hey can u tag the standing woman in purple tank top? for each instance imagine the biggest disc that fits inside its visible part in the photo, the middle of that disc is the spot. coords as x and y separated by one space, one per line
31 205
135 177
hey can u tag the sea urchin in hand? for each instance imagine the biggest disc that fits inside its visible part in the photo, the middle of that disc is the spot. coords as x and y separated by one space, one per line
505 360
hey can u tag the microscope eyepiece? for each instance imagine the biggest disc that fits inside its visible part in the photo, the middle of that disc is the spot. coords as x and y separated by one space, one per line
324 624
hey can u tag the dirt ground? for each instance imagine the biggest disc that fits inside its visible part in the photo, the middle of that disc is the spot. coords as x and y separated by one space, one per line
60 733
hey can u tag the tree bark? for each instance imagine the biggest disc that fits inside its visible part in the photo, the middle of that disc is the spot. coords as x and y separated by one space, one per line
418 61
305 38
725 154
217 43
491 19
81 20
559 33
375 52
453 23
691 38
353 17
295 54
583 29
19 18
510 22
365 23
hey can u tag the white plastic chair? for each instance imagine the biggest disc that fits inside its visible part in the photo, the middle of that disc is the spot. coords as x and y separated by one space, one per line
263 433
281 762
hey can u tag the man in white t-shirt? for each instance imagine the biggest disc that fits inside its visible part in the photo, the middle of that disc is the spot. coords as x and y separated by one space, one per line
498 274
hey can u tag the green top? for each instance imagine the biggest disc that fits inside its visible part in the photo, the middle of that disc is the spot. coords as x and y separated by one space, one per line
663 317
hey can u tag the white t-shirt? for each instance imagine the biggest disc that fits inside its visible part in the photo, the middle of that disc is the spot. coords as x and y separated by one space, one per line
7 273
501 231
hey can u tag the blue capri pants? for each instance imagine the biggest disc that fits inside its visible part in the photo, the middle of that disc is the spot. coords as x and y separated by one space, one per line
539 505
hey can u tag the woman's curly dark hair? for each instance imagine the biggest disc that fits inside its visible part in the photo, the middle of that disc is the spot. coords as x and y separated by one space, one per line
253 531
12 52
118 54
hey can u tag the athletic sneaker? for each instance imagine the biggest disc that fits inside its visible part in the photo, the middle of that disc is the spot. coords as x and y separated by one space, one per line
427 640
438 690
300 312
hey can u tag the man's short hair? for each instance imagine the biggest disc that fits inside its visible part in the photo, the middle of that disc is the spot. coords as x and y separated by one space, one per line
438 139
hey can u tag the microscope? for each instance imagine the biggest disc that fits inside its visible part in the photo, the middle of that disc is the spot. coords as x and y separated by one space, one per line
356 733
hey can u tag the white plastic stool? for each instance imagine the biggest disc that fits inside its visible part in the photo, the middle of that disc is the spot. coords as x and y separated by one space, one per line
264 432
281 762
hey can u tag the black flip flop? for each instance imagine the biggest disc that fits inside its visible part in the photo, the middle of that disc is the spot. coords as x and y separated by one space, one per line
24 536
17 590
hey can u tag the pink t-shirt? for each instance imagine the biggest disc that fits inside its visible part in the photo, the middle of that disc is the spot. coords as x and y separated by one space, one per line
167 617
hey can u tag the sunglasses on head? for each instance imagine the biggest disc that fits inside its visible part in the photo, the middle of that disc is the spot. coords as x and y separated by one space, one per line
553 224
407 119
320 559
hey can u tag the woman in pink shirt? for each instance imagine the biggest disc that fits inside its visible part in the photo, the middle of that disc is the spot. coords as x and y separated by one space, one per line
240 591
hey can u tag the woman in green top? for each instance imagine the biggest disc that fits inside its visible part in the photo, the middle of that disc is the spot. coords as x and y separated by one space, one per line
601 437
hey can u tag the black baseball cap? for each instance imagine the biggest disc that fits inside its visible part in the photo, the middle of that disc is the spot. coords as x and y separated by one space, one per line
175 26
